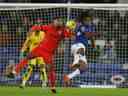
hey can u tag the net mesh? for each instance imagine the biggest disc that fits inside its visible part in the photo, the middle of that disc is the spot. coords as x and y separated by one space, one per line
107 64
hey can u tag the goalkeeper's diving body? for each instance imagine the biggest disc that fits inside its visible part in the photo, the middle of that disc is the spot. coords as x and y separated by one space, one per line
54 34
84 31
32 40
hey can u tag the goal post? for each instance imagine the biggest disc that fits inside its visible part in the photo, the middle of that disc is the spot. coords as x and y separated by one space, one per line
107 64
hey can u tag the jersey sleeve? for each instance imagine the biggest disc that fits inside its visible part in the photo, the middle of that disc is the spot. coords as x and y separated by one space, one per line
44 27
25 44
35 28
39 28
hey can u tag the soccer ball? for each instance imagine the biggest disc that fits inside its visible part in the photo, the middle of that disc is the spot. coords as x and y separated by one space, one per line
71 24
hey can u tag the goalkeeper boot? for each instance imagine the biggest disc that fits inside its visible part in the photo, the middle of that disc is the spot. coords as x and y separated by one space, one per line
21 86
53 90
9 72
44 84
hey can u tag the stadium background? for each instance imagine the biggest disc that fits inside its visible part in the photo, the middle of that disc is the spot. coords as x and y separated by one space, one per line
111 23
61 1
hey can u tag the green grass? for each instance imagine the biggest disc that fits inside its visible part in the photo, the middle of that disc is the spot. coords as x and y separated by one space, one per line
35 91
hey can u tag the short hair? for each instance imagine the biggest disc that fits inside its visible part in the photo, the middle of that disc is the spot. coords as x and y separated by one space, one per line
54 18
84 15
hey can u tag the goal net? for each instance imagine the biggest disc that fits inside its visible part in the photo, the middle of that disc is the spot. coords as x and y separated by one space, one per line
107 64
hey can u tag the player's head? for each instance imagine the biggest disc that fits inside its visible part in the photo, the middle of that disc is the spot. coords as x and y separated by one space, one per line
58 22
85 17
87 20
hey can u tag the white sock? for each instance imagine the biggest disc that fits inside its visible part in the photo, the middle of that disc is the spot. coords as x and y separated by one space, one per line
24 82
44 83
74 73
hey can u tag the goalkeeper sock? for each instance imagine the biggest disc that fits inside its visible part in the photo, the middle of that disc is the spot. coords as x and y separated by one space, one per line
27 74
52 78
21 65
43 75
24 82
74 73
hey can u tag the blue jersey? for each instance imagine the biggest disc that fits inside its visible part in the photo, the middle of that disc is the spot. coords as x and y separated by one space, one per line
80 33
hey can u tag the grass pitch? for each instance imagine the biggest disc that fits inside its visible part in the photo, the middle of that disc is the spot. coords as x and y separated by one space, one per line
36 91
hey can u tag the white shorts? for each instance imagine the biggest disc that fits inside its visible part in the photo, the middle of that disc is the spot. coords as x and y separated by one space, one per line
75 47
78 57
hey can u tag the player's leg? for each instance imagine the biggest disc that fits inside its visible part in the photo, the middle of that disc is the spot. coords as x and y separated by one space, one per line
24 62
13 70
51 77
47 57
28 72
43 74
79 68
79 64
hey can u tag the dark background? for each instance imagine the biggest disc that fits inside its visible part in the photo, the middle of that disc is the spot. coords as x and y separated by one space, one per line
59 1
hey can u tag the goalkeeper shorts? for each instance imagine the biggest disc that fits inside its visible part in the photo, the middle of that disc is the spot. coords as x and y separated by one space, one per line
37 61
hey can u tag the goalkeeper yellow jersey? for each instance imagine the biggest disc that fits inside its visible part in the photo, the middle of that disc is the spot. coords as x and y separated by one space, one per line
34 39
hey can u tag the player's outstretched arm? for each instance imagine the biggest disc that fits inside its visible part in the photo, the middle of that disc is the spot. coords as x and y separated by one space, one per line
91 34
26 43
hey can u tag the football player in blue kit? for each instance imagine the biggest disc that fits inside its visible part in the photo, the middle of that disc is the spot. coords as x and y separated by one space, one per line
84 31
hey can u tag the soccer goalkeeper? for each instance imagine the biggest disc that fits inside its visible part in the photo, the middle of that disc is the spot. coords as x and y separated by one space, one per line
33 39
